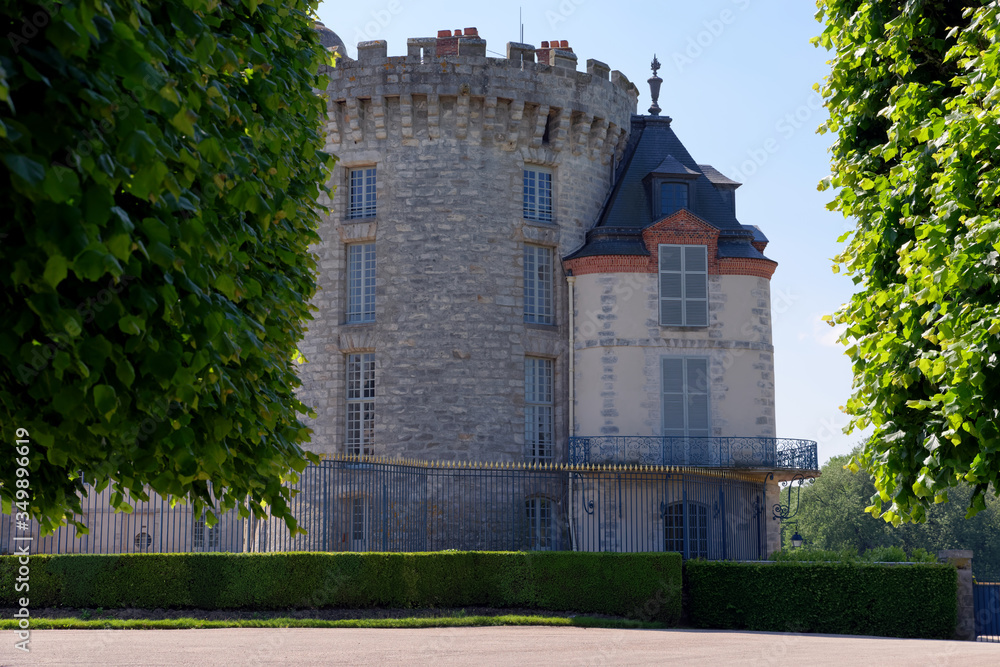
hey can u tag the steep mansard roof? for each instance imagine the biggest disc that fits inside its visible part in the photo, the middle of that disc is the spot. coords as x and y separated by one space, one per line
717 177
653 148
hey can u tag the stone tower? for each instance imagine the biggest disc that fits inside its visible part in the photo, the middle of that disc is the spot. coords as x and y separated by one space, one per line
460 178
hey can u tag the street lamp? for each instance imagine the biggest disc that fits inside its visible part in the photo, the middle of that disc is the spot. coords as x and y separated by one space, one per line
796 540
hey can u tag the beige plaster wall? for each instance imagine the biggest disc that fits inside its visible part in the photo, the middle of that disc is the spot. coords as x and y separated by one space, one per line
626 514
619 345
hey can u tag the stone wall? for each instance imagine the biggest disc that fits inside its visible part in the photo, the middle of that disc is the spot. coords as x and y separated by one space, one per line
449 136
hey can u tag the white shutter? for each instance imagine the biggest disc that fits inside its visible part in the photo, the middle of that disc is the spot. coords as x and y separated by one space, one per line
673 397
671 286
670 258
696 388
696 258
683 285
685 390
696 286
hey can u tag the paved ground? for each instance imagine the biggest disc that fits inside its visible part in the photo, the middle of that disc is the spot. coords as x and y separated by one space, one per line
508 646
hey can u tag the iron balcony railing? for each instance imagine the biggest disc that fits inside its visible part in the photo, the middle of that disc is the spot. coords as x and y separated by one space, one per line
708 452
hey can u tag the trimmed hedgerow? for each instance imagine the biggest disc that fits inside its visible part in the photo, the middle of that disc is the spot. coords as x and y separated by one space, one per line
645 586
835 598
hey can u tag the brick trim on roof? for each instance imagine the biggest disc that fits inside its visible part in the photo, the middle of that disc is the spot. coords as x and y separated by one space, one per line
680 228
747 266
582 266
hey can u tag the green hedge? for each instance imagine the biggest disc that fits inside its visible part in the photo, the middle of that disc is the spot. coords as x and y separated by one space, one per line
646 586
834 598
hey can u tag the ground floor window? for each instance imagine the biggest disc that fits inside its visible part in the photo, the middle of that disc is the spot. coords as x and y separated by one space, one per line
203 537
696 533
359 524
540 524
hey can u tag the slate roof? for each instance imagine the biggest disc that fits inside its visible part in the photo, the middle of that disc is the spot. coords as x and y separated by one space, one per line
612 241
757 234
739 249
670 165
329 38
654 148
716 176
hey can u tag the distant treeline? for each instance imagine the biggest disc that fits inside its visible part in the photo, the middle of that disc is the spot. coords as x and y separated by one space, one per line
831 516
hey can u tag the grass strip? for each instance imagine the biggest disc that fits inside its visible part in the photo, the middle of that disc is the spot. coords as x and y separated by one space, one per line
441 622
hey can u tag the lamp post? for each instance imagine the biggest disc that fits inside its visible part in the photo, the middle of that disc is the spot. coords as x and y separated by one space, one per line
796 540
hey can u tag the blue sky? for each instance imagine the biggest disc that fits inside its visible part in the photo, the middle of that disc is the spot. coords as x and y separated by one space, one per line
738 80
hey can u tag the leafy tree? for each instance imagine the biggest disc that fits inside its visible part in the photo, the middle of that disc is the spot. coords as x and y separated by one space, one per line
830 516
914 102
161 164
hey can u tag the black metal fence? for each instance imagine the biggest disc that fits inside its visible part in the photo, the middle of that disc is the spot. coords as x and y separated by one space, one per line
711 452
349 504
986 605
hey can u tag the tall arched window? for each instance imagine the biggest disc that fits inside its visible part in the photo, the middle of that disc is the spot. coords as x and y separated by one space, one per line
694 535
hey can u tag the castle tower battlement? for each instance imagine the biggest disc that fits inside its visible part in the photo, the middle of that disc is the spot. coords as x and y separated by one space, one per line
437 150
446 88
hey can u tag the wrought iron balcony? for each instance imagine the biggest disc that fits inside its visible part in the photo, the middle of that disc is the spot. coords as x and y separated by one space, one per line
708 452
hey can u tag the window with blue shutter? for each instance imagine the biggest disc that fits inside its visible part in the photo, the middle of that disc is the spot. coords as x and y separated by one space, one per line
683 285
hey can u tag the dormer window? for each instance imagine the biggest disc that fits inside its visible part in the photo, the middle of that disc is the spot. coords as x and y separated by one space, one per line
673 197
669 187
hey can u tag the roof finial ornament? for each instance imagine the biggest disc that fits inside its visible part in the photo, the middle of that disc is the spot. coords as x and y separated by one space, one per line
654 87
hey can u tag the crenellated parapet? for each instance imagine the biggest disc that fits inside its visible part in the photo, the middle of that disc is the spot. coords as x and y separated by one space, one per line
481 168
447 89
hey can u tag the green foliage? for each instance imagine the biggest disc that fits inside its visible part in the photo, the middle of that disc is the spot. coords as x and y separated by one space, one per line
842 598
876 555
416 622
645 586
161 167
914 100
831 517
